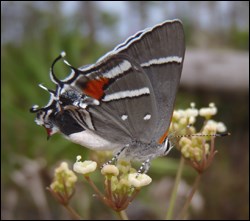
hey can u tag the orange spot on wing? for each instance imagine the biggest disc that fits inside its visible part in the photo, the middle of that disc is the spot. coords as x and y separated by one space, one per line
164 136
94 88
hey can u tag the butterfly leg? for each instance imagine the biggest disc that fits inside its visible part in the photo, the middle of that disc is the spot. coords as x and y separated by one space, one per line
144 167
114 158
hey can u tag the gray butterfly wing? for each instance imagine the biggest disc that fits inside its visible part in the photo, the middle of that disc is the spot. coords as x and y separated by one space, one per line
160 52
127 109
147 67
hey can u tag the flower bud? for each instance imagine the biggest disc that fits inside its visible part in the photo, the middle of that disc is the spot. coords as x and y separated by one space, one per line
110 170
139 180
84 167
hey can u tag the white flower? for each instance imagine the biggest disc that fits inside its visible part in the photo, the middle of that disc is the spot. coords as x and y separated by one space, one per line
211 104
183 121
176 115
111 170
84 167
213 127
213 110
192 104
139 180
192 112
210 127
192 120
182 113
63 167
221 127
185 141
64 177
179 114
208 111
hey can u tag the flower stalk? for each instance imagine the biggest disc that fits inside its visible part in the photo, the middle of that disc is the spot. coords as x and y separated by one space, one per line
190 197
172 201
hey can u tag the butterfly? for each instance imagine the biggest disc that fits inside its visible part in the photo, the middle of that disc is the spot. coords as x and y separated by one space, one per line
124 102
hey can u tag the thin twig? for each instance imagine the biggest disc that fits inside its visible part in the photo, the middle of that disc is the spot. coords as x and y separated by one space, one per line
174 192
73 213
190 196
131 198
123 215
109 189
99 194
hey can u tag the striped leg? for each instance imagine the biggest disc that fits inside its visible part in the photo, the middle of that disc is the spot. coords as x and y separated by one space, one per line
114 158
144 167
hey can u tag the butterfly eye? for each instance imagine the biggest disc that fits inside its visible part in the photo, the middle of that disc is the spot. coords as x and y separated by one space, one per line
69 97
47 125
40 113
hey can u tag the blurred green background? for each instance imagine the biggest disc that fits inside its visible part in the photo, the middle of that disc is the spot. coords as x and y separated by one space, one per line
216 69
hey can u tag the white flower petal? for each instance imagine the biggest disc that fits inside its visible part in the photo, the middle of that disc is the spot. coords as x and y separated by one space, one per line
110 170
85 167
191 112
139 180
192 104
221 127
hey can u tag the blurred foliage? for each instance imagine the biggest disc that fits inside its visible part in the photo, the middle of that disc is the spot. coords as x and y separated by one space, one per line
239 39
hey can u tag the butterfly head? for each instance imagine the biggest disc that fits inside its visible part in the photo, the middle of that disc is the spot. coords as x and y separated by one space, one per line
45 116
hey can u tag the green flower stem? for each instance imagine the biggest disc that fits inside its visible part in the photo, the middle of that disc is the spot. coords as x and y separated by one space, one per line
99 194
131 198
73 213
190 196
135 193
174 192
123 215
109 189
64 200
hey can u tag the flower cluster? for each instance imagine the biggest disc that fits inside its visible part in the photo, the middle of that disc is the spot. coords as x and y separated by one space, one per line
194 145
122 182
192 148
63 178
62 188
